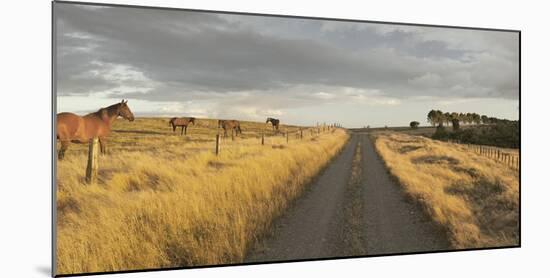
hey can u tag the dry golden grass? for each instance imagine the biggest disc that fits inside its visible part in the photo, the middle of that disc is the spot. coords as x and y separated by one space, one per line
164 200
474 197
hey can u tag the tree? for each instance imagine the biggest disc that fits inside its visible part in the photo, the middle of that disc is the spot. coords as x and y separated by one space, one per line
454 115
447 117
484 119
456 124
432 117
469 118
476 118
440 117
414 124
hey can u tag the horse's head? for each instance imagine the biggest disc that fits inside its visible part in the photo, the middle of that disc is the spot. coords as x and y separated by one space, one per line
192 120
124 111
171 121
267 121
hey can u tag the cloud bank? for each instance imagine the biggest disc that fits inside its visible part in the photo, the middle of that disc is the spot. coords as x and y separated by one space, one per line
252 66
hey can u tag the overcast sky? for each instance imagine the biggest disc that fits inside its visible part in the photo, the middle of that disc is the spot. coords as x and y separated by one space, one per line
303 71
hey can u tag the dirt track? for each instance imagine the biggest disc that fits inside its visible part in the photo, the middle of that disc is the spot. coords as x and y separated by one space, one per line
335 219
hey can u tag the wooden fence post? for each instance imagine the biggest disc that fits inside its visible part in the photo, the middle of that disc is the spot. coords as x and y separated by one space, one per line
93 157
301 134
262 138
287 136
217 144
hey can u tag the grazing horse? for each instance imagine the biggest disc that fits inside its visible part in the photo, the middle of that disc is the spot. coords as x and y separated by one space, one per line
230 124
183 122
77 129
274 123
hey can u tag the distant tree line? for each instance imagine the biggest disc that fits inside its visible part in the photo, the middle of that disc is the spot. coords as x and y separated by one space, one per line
437 117
494 131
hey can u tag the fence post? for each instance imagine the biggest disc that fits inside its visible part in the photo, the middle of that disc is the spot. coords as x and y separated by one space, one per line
93 157
217 144
287 136
301 134
262 138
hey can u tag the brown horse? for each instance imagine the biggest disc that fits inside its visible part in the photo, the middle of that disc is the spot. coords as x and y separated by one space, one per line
77 129
183 122
274 123
230 125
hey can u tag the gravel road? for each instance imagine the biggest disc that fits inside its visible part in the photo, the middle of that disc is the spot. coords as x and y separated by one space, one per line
320 225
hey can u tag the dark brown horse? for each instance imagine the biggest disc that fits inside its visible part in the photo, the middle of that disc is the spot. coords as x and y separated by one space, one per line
77 129
183 122
274 123
230 125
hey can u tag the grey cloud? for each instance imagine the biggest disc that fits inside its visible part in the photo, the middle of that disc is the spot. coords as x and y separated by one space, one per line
202 56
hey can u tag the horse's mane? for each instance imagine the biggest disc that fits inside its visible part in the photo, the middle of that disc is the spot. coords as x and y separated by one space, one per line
106 112
111 109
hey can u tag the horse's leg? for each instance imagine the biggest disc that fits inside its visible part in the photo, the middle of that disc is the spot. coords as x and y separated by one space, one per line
103 145
61 152
185 130
181 130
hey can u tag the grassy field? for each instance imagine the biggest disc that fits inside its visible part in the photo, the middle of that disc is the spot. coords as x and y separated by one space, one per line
474 197
165 200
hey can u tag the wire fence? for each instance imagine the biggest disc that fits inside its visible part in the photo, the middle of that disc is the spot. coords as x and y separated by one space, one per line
509 158
293 135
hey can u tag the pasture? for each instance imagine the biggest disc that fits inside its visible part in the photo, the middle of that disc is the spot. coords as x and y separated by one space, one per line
476 198
166 200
